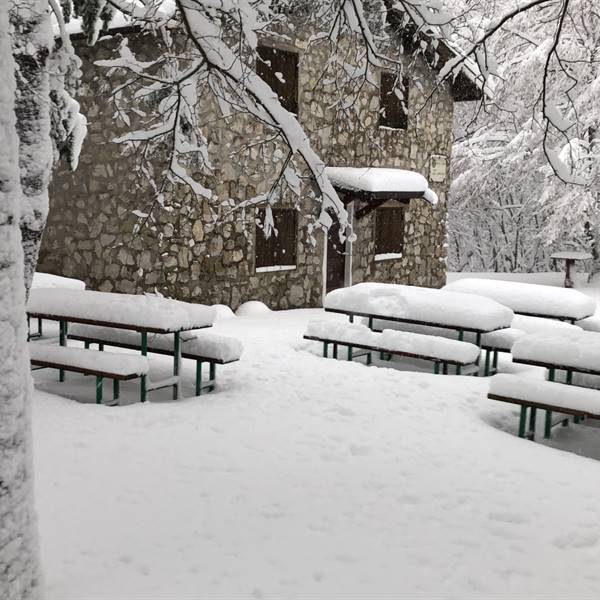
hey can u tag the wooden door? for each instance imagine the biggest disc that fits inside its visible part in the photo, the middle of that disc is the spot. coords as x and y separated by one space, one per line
336 257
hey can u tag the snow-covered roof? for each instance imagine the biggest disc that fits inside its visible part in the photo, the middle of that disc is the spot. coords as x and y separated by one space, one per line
382 182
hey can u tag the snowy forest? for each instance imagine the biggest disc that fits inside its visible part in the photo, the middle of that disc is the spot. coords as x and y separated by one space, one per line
526 174
509 208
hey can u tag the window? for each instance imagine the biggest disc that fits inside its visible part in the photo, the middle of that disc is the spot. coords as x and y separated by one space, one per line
393 111
279 68
279 249
389 230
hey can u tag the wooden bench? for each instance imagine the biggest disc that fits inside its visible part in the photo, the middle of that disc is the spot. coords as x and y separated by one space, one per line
441 351
550 396
118 367
571 351
202 347
492 342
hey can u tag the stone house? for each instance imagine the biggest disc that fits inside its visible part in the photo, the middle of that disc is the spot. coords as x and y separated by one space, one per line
398 236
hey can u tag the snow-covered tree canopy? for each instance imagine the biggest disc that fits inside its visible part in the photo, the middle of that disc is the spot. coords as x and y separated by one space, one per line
527 168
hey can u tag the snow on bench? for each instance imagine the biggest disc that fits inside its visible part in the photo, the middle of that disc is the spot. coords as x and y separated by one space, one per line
424 306
529 298
589 323
402 343
535 324
565 350
546 395
119 367
150 312
196 345
199 346
501 339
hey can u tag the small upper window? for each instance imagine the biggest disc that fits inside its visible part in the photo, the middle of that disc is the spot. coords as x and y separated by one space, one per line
279 68
279 249
389 230
393 101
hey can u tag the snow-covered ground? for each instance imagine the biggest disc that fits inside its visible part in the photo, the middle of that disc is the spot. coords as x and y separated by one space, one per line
302 477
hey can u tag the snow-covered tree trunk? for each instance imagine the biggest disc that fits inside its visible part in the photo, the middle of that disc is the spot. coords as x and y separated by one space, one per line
18 539
31 41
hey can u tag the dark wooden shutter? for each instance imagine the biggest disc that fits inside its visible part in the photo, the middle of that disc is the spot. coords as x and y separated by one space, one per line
389 230
280 247
393 112
279 68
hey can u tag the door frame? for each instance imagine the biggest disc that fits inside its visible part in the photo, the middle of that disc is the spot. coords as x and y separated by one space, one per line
348 252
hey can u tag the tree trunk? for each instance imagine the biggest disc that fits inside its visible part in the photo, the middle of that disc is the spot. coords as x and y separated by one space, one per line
31 44
18 540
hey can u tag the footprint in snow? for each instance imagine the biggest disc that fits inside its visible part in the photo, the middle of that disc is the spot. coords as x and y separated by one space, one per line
576 540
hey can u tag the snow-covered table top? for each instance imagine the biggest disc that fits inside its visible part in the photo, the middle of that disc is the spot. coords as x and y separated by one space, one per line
575 349
419 305
127 311
529 298
570 255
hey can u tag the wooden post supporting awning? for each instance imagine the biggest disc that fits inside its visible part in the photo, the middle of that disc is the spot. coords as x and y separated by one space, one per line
376 185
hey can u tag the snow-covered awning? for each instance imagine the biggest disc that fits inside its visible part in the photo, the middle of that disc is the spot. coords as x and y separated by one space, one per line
375 184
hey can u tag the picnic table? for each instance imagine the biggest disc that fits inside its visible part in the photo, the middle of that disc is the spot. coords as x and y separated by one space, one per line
571 351
145 314
529 299
420 306
570 257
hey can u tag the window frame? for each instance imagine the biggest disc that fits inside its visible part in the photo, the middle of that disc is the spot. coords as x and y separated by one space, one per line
267 74
268 253
394 241
399 109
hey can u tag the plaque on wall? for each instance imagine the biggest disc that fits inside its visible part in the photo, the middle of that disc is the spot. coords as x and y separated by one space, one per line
437 168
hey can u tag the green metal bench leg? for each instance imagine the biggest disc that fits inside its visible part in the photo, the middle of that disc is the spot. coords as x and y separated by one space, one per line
144 353
40 326
445 368
495 361
522 421
370 322
548 424
532 416
98 389
176 359
198 378
62 336
351 318
335 350
461 335
349 352
436 368
212 373
86 345
486 370
369 359
478 339
458 369
325 349
101 347
116 391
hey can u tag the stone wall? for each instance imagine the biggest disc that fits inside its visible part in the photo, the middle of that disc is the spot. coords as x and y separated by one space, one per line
185 253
